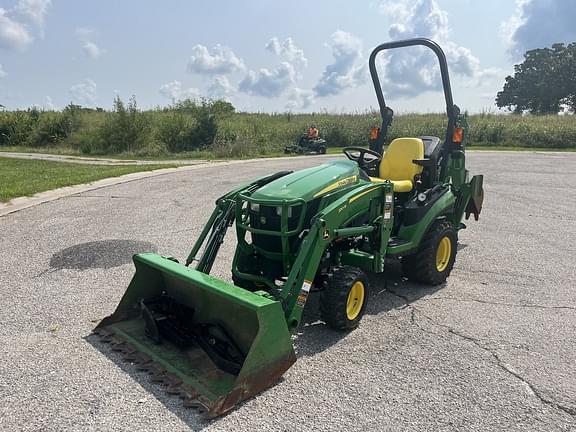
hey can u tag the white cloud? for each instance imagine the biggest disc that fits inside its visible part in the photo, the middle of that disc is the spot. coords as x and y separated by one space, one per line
272 82
222 61
348 69
412 71
92 50
269 82
33 10
13 35
288 51
539 24
487 95
299 99
395 10
84 93
174 91
2 71
221 88
89 47
490 76
14 32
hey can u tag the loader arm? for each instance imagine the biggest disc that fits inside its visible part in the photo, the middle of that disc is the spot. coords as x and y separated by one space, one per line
331 224
221 219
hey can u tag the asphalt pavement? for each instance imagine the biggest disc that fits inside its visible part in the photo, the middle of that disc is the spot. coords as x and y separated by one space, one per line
491 350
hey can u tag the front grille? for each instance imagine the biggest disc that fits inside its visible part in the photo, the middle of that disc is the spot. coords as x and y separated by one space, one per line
269 218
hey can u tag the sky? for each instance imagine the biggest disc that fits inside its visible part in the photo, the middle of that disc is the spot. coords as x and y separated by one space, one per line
267 56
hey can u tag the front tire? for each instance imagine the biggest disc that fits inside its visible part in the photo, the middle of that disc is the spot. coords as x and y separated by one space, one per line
434 259
343 301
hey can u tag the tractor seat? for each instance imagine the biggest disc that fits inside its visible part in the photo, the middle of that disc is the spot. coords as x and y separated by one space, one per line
397 165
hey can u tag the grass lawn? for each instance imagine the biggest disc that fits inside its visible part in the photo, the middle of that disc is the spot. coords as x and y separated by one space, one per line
67 151
26 177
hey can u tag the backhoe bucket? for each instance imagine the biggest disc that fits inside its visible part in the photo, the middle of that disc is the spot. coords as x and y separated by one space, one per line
210 342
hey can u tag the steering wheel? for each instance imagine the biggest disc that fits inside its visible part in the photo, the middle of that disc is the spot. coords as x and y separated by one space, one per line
358 155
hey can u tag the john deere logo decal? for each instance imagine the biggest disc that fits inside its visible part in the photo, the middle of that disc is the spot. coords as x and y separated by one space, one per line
336 185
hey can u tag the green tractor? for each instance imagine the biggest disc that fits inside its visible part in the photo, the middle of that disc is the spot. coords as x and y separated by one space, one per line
216 343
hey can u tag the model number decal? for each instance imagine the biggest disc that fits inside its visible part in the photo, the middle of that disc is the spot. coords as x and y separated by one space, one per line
336 185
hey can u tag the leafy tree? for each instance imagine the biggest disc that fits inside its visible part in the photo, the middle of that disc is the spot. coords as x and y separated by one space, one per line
543 82
222 108
193 125
175 130
125 128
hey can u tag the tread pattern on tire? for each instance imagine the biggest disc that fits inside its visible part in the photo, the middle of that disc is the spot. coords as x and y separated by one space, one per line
334 298
421 266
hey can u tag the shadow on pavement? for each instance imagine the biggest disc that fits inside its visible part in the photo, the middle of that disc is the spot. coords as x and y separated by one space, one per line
103 254
388 291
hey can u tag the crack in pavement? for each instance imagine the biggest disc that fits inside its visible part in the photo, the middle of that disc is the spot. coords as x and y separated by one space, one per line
499 362
534 306
552 216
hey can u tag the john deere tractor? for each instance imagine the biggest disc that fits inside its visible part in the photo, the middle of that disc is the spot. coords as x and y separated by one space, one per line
216 343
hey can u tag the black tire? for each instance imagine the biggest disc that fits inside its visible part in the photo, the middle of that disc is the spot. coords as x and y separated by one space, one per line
334 300
429 265
322 150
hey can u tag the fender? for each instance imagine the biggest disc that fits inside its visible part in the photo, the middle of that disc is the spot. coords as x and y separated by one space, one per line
410 236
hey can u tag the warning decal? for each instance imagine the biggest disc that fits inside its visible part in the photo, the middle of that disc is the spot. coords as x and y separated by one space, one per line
303 296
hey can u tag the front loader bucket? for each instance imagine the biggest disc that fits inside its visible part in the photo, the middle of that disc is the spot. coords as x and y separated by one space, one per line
210 342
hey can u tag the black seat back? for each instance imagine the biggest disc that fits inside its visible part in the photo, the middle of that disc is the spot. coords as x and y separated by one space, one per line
433 151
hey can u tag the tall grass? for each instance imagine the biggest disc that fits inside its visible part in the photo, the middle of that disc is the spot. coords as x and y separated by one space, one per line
214 128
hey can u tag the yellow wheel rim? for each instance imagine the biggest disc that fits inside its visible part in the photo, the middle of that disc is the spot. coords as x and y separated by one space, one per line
443 254
355 300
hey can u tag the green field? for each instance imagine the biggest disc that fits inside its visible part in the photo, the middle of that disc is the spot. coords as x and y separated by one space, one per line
215 130
26 177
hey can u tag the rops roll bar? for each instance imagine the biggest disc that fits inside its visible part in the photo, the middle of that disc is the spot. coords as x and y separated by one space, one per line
386 113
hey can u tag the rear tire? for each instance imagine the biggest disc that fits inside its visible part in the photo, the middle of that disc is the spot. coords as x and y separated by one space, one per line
435 258
343 301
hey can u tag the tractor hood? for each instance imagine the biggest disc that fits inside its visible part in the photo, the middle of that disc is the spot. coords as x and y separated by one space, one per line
311 183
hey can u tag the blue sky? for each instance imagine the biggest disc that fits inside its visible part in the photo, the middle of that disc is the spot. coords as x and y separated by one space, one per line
263 55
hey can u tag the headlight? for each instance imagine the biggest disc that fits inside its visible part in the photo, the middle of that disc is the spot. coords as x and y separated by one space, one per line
279 211
255 207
